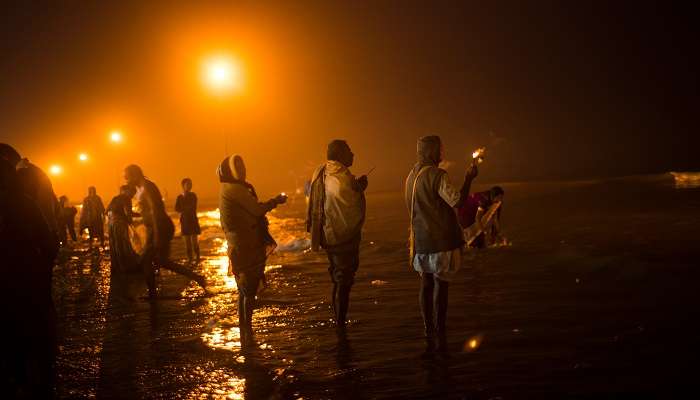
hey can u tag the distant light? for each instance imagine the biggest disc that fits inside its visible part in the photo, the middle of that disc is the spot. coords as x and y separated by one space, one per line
82 157
115 136
55 169
221 73
473 343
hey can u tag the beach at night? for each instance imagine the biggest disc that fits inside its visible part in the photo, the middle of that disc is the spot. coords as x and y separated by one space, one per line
592 307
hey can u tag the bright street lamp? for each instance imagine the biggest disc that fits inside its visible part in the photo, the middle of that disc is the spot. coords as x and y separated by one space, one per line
221 74
115 136
82 157
55 169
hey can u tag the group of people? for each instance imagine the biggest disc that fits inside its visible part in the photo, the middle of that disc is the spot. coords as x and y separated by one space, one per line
33 223
439 214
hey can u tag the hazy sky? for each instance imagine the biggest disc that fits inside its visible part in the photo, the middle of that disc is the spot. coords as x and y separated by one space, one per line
553 90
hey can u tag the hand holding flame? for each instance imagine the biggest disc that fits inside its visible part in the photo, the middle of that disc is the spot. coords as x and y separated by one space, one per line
478 155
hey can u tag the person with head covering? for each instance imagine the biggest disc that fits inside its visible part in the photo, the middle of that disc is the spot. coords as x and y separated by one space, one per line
472 210
66 220
35 184
120 215
435 240
186 205
28 248
159 231
335 217
92 217
249 240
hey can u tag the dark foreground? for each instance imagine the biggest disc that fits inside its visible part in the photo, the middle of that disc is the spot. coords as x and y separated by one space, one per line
596 298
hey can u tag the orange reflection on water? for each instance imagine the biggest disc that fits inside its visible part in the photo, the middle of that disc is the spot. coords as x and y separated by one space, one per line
225 339
220 265
219 384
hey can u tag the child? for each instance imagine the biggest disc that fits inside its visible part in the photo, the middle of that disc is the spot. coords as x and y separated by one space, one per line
186 205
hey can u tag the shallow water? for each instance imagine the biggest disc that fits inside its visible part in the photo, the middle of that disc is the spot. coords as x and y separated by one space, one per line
595 296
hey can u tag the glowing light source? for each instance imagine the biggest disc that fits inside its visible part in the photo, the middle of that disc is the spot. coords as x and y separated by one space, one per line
116 136
55 169
221 74
478 154
473 343
82 157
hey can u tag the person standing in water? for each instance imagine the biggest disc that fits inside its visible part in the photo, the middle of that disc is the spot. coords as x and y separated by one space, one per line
249 240
120 216
93 217
159 231
66 220
28 248
335 217
473 209
186 205
435 240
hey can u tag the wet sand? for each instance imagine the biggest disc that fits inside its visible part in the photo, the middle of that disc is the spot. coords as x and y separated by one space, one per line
595 298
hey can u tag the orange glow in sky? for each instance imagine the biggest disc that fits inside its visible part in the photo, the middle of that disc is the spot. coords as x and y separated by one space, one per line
115 136
221 74
55 169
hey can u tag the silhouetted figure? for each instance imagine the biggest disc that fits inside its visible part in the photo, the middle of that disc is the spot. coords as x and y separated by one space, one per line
35 184
28 248
159 231
92 217
186 205
249 240
435 235
66 220
335 217
120 215
473 209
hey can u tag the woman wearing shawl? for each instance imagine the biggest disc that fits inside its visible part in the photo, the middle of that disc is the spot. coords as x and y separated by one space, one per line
249 241
119 211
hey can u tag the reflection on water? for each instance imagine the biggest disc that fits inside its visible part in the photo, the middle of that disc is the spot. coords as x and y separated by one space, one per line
220 384
686 180
551 301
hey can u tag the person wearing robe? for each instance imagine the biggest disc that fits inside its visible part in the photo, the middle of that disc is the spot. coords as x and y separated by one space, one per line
335 217
435 241
247 235
474 207
159 231
120 216
92 217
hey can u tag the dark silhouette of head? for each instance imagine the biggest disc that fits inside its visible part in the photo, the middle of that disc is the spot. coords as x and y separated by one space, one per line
496 193
92 191
63 200
9 154
133 175
186 184
429 150
339 150
127 190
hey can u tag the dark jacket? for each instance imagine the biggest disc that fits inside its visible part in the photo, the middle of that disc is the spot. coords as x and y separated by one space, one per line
434 226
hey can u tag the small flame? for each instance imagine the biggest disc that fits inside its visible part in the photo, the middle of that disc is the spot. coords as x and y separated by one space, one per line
478 154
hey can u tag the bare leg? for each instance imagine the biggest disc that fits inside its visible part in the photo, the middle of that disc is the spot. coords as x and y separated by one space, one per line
425 298
441 306
195 246
188 244
182 270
